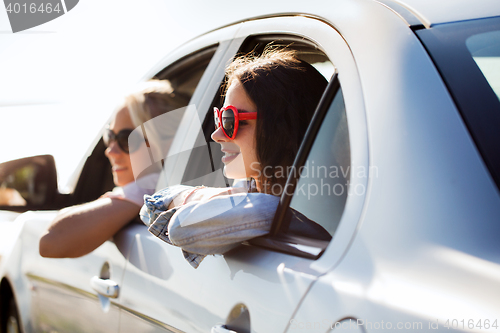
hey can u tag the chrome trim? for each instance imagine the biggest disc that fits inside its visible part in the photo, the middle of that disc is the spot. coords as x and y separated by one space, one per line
149 319
61 285
92 296
105 287
412 19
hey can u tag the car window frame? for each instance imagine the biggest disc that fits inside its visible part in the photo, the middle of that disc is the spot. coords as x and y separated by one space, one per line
188 134
251 43
82 193
329 40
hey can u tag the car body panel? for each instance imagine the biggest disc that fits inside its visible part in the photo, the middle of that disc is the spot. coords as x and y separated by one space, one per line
49 283
453 204
281 279
424 226
270 285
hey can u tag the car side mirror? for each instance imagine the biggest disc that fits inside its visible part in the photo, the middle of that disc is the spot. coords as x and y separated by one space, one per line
28 183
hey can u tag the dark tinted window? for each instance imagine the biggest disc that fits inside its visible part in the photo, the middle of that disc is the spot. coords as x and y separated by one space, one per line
485 50
467 56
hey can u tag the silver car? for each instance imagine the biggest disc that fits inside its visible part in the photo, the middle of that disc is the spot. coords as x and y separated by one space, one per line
401 165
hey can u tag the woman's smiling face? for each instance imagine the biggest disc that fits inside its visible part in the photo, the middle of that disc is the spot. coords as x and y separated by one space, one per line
120 161
240 159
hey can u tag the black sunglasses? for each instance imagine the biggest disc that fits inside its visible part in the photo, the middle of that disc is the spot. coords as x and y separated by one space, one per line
128 140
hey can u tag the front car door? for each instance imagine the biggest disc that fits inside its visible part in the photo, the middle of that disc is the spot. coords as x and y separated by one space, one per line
258 286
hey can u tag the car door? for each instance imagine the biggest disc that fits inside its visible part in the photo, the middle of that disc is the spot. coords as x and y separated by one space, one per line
257 286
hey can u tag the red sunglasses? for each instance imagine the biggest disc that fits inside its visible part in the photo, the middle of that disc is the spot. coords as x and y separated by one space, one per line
229 118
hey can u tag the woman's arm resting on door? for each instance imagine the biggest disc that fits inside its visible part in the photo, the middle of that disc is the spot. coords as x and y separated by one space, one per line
78 230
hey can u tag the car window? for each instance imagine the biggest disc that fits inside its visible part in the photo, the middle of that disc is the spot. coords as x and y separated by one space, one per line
485 50
205 165
184 75
317 205
323 186
473 48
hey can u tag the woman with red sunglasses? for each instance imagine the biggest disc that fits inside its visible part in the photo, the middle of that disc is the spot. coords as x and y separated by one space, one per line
80 229
269 102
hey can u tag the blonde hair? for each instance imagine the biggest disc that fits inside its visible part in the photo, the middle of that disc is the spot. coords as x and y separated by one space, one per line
147 101
151 99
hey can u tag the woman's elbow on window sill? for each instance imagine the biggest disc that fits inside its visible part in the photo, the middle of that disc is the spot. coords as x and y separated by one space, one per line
48 247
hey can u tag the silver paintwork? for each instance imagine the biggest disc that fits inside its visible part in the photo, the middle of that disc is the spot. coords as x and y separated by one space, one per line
415 248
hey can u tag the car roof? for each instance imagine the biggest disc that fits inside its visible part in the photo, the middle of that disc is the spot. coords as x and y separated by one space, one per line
434 12
429 12
40 49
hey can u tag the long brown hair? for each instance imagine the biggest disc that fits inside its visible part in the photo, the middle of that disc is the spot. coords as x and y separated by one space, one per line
285 91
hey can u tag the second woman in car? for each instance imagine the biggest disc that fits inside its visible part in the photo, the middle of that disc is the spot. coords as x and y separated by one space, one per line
80 229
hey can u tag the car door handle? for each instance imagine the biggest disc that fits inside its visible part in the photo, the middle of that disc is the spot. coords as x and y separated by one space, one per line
221 329
105 287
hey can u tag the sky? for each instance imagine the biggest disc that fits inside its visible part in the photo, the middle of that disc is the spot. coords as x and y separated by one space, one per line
60 81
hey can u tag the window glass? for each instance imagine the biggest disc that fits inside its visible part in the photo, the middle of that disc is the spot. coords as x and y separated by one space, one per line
467 55
323 187
318 60
485 50
184 76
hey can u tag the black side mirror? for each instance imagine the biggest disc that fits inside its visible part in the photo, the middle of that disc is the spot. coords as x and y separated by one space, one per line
28 183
